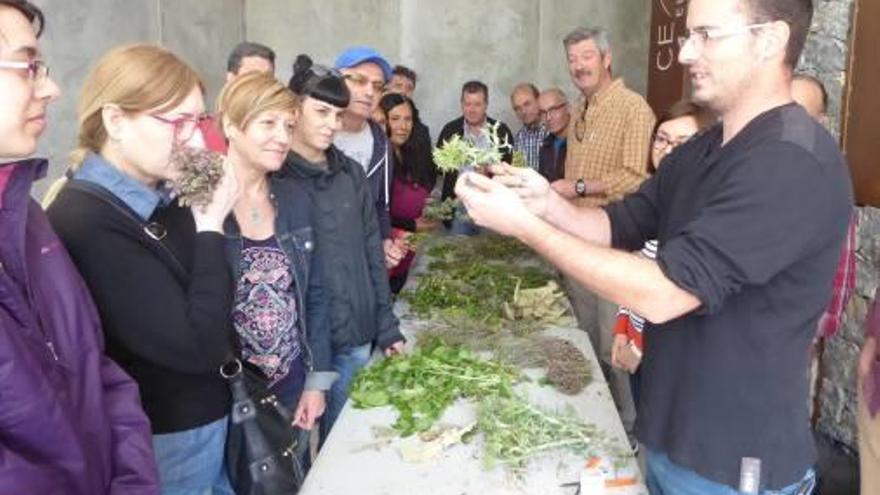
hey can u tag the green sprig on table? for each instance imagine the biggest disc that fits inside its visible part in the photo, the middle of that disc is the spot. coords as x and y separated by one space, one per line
421 385
516 431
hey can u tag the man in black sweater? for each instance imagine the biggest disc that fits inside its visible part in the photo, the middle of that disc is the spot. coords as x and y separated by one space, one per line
750 216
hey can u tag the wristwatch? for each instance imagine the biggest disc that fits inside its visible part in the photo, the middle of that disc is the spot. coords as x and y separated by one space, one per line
580 188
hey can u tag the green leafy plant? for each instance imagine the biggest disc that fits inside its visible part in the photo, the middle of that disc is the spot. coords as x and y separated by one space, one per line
421 385
458 152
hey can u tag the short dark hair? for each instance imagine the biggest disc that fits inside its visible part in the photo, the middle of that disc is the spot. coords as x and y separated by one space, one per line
30 11
798 14
404 71
801 76
475 87
318 82
248 49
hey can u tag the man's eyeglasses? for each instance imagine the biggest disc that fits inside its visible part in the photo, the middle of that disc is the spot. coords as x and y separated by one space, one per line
701 35
185 125
361 81
554 109
37 70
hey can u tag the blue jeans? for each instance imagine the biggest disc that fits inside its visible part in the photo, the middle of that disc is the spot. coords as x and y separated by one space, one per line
347 362
192 462
666 478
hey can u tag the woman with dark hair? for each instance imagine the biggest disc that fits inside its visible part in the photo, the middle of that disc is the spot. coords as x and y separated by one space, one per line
675 126
414 176
348 245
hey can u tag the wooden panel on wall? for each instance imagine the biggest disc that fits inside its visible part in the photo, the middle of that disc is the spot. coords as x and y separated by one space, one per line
860 132
666 77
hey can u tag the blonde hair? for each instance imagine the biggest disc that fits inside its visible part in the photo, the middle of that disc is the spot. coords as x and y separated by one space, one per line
137 78
250 94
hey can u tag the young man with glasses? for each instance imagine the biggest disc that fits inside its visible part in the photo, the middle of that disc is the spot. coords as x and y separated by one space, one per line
555 114
366 72
71 420
750 216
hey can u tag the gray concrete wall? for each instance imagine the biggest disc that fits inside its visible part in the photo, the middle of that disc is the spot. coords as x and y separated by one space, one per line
79 32
501 42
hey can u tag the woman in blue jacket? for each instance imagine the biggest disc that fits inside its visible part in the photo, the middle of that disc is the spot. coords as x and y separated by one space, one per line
279 309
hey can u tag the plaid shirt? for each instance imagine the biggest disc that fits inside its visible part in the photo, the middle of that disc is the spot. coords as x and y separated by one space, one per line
528 140
844 283
608 142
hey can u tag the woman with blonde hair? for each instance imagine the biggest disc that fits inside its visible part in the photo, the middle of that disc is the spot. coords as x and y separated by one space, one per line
156 270
279 308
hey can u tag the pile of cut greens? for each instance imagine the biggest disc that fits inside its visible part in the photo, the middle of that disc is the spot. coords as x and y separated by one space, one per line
422 384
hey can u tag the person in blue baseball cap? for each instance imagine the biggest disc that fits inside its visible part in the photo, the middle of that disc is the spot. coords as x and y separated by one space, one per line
366 72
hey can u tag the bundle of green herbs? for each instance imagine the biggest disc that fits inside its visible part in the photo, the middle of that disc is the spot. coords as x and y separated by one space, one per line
457 152
422 384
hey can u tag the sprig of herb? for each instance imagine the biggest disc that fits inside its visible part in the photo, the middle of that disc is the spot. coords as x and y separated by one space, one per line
516 431
457 152
199 174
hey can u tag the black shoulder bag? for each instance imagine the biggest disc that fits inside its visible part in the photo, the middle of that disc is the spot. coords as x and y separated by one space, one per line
261 443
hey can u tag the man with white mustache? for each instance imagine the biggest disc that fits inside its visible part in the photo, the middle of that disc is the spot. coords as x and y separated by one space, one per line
607 157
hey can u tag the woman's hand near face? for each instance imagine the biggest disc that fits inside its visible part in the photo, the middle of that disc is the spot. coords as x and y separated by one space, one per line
210 217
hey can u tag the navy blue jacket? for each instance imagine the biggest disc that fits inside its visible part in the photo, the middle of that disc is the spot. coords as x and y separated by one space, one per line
293 230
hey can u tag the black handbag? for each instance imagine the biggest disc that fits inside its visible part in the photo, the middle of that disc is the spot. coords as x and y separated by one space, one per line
262 454
262 447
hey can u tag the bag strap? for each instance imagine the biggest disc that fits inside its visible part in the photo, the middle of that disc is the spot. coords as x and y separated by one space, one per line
148 231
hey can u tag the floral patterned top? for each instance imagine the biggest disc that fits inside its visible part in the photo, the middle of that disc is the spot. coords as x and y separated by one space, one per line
265 312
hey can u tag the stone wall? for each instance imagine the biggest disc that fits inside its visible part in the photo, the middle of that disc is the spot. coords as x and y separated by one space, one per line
826 57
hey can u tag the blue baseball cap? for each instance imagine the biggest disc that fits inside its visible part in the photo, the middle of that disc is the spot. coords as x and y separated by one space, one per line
357 55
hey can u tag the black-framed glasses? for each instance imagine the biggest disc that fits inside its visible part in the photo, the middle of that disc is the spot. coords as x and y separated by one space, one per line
37 69
554 109
663 141
185 125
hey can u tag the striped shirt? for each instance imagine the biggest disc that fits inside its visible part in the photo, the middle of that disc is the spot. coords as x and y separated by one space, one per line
629 322
528 141
608 142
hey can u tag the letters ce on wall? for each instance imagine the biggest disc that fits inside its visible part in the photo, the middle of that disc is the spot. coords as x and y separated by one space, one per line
666 77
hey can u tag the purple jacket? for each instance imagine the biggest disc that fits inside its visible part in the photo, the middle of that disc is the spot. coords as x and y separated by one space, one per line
70 419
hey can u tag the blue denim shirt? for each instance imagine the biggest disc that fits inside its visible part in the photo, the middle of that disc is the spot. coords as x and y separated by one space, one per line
138 196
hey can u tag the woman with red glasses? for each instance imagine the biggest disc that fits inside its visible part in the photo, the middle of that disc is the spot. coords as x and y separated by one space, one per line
156 270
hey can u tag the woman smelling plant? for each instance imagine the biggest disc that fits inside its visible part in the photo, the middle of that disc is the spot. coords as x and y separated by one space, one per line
157 271
414 176
278 310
